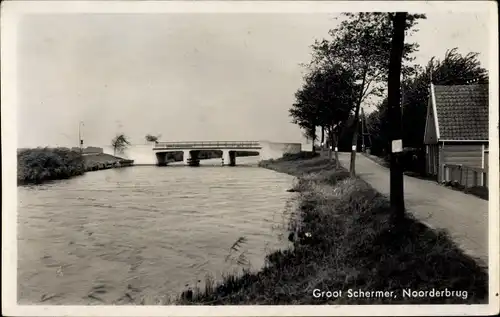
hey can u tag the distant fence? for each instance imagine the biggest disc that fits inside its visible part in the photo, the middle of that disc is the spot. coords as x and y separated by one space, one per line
465 175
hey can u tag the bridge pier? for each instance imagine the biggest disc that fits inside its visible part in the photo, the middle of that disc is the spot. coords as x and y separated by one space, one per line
191 158
229 158
161 159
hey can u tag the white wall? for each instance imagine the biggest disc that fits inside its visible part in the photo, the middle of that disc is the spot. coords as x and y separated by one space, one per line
274 150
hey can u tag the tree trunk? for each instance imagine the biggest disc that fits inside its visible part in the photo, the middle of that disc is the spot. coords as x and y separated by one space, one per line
322 138
352 167
335 147
313 138
393 94
330 133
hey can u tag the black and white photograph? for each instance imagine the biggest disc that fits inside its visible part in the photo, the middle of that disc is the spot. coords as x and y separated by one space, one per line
249 158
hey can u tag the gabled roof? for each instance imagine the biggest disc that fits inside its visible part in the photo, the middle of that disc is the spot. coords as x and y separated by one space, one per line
461 111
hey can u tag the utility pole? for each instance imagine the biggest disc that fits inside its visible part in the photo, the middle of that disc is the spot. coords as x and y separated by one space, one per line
402 93
394 94
363 147
80 139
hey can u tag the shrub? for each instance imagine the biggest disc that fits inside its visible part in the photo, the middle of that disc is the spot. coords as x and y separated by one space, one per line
300 155
42 164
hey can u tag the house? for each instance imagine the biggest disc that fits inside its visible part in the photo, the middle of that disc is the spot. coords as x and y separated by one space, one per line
456 130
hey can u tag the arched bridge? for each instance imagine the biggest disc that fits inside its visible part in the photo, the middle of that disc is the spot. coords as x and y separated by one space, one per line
192 149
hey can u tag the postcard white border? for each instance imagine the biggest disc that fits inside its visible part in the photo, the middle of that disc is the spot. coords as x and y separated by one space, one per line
12 11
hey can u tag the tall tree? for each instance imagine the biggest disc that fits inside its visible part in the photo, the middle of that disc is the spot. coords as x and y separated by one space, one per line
305 114
336 94
362 43
120 143
394 95
325 99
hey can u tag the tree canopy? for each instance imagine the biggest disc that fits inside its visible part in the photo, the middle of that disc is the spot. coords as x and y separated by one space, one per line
326 99
361 45
120 143
152 138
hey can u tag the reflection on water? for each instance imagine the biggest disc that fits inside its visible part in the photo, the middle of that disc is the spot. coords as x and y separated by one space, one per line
118 236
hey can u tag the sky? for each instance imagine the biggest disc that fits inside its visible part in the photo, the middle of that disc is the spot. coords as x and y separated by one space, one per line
186 76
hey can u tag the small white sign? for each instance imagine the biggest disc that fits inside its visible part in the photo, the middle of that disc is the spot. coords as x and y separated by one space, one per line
354 147
397 146
336 149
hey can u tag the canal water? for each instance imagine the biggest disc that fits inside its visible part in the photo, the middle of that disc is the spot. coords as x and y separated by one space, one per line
145 233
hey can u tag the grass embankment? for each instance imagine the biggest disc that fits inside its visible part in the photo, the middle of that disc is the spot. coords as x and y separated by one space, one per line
99 161
344 239
39 165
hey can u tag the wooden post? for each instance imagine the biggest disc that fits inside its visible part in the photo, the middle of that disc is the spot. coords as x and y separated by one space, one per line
461 174
466 177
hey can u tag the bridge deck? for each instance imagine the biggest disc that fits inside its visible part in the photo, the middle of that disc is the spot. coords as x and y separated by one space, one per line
246 145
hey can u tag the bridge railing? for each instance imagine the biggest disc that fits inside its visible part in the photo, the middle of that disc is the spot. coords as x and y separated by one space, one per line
208 144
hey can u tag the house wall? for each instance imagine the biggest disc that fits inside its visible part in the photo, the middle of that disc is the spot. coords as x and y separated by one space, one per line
430 136
274 150
466 154
431 159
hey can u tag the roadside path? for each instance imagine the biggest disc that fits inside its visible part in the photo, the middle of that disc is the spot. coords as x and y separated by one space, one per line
464 216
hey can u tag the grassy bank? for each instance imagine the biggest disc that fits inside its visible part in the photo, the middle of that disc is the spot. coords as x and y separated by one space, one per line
99 161
35 166
344 238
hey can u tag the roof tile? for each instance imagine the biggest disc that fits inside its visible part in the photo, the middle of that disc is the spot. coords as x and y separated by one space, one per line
462 111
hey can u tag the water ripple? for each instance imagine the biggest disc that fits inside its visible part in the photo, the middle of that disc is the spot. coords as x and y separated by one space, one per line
116 236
